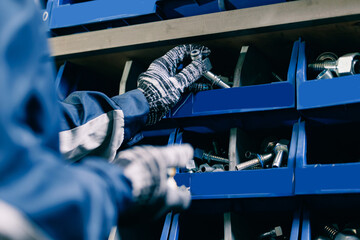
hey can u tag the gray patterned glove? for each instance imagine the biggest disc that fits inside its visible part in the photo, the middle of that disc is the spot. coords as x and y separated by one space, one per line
147 167
163 86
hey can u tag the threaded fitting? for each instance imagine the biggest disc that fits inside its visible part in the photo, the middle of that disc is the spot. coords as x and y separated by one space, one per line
331 232
209 157
319 66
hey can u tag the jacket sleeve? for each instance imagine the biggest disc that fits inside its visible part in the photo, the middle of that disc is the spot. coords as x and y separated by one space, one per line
96 125
78 201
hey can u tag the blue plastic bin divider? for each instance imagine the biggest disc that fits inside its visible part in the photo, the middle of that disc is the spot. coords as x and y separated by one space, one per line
323 178
186 8
274 182
306 227
326 96
167 226
68 15
274 96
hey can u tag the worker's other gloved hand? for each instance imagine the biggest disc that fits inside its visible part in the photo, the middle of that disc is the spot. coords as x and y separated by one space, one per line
163 86
154 192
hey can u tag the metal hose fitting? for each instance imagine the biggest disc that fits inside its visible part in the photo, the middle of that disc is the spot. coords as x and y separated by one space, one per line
215 80
260 160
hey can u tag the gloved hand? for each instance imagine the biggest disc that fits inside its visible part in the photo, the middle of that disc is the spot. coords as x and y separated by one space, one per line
147 167
163 86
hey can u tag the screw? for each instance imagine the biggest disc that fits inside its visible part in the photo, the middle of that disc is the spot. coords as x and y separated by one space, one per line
199 153
260 160
196 55
277 232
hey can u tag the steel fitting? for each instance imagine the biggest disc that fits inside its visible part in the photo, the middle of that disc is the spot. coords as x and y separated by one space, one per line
206 168
334 234
260 160
281 150
214 79
348 64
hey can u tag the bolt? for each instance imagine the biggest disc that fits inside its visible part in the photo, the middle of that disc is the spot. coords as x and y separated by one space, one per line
280 149
277 232
334 234
199 153
196 55
260 160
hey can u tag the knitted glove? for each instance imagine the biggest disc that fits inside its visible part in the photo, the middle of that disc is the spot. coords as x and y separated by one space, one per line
163 86
147 167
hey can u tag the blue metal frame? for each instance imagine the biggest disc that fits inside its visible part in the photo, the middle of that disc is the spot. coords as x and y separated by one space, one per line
322 178
327 100
259 183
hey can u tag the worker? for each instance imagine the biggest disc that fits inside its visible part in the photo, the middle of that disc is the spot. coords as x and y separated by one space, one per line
58 200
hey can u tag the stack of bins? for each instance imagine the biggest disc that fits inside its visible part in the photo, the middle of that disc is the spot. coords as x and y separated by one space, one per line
327 158
75 16
229 198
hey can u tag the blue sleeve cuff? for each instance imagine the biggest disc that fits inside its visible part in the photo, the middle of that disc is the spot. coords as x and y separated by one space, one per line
136 110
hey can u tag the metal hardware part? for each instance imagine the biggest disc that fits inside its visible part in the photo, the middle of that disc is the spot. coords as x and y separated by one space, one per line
206 168
277 232
280 150
196 55
334 234
260 160
191 166
249 154
325 74
348 64
327 56
199 153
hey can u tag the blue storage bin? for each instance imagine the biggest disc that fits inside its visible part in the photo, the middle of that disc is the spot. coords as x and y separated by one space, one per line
327 159
339 214
273 182
186 8
72 13
333 100
205 220
274 101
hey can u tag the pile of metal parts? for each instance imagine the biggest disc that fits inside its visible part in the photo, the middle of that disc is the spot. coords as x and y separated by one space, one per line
329 65
349 231
274 234
273 155
208 161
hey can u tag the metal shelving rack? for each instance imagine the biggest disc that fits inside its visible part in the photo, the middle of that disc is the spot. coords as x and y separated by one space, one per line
324 24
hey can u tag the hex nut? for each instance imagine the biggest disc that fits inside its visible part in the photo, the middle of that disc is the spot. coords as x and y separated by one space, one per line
278 231
348 64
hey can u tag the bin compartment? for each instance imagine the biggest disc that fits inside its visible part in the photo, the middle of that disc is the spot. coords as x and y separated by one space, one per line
327 158
268 182
255 93
242 218
326 100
